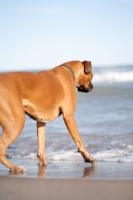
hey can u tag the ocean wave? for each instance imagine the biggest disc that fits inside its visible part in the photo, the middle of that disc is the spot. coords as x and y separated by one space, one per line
116 155
113 76
118 150
123 156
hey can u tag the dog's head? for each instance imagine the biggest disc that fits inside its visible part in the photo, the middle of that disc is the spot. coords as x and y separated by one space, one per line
84 83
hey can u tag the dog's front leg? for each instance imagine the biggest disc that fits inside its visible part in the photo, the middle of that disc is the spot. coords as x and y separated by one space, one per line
73 130
41 143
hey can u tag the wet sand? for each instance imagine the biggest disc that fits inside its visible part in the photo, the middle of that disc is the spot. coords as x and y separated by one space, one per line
63 189
68 180
71 169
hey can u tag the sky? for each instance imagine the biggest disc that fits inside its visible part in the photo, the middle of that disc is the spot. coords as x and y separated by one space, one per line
40 34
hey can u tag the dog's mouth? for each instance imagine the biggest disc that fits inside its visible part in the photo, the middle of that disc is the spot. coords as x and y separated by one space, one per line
83 89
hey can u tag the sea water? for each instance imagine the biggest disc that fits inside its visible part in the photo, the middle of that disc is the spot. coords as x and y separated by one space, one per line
104 118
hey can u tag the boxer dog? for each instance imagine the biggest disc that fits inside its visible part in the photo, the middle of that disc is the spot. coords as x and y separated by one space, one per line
43 96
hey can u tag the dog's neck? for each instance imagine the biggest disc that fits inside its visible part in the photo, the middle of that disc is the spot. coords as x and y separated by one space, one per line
72 72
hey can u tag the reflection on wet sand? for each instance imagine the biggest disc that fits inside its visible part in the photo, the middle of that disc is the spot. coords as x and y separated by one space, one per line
17 173
42 173
89 171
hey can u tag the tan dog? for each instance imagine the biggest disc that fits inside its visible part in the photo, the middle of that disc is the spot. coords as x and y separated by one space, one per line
43 96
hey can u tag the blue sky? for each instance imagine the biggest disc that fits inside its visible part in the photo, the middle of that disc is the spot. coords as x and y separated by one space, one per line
39 34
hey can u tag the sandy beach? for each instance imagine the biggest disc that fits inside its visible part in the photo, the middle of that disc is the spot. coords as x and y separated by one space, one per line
34 188
67 180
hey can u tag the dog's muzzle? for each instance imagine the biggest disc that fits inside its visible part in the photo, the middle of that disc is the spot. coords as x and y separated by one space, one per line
83 89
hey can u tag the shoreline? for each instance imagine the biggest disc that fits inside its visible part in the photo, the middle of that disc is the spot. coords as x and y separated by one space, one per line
68 180
71 170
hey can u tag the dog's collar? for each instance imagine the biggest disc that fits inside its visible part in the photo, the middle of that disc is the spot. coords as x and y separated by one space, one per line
72 72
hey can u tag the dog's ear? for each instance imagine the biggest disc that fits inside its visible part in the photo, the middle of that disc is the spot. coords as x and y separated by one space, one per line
87 67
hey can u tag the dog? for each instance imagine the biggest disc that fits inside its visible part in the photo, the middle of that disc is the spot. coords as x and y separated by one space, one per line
43 96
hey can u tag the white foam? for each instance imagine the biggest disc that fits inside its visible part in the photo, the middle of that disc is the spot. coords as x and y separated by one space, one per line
114 155
113 76
130 146
110 154
118 144
65 155
31 156
102 156
128 159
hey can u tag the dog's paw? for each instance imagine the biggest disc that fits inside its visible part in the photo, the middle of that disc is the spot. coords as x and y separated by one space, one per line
87 158
42 160
42 163
90 160
17 169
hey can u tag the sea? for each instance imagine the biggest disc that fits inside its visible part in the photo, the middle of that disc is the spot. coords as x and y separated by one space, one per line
104 118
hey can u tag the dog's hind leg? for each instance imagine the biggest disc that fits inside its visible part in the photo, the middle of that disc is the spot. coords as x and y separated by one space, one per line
12 121
41 143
